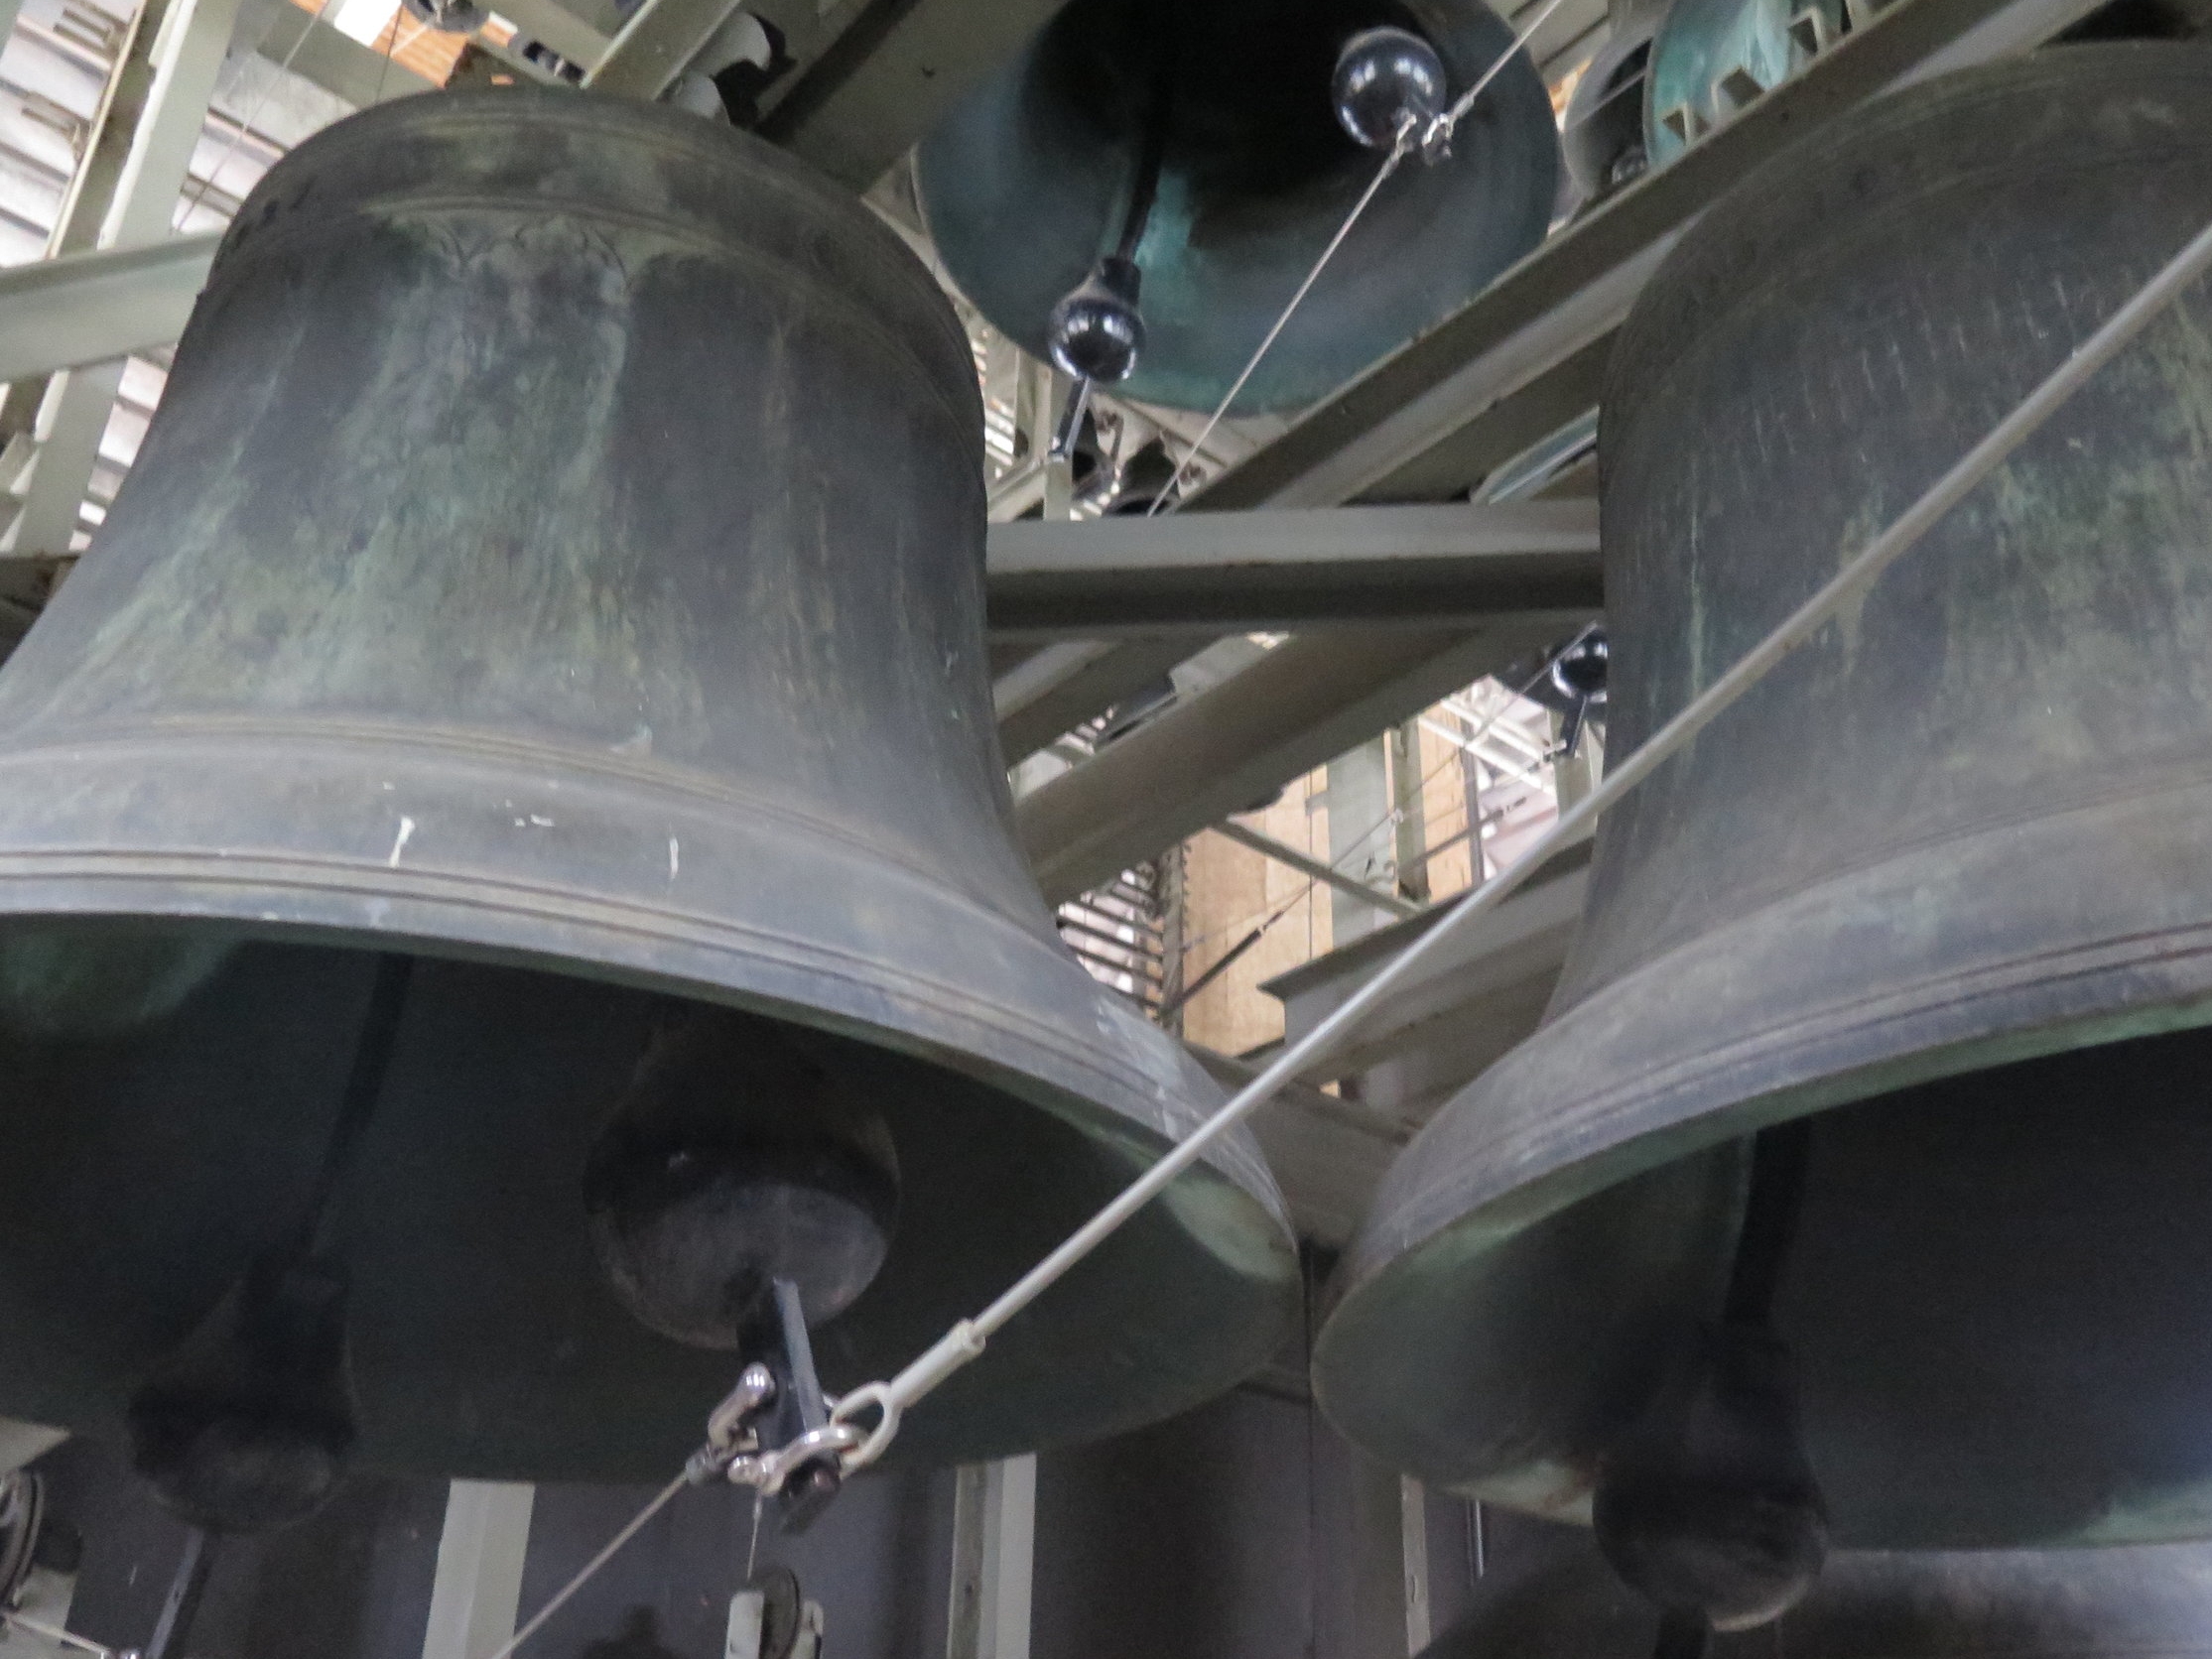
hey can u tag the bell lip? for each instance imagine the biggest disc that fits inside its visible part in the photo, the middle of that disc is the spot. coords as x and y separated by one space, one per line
241 911
480 902
1249 1234
1675 1097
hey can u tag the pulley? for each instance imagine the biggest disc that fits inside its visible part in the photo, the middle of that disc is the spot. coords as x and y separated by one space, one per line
1213 147
556 569
1936 890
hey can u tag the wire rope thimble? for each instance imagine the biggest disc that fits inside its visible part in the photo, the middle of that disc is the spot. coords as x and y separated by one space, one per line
875 1441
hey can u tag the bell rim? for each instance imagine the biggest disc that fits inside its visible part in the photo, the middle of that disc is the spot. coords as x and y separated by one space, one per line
2061 997
1033 1088
288 897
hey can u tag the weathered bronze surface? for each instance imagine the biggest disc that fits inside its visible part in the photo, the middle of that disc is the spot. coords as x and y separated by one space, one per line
1949 867
558 554
1027 181
1544 1593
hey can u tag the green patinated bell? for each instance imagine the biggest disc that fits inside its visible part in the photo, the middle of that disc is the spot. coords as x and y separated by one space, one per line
504 825
1939 887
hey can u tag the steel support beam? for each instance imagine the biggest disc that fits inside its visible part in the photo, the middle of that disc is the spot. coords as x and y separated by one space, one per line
1327 1154
661 37
22 1443
177 71
1459 1013
1286 571
1413 1535
552 23
1328 874
88 307
1440 412
1055 697
886 80
316 53
1305 702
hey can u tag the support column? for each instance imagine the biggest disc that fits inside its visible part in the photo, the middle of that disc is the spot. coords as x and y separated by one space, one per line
1413 1540
156 107
1361 841
473 1601
1406 791
1052 389
994 1525
1575 778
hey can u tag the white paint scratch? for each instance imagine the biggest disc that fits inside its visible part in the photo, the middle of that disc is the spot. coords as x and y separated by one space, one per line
540 820
399 842
675 858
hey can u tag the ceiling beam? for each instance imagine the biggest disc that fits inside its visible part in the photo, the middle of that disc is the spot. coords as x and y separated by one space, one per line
659 39
1055 697
886 81
1374 438
1327 874
338 63
86 307
1307 701
1283 572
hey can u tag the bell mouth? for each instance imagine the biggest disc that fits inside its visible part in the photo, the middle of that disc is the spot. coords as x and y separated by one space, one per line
1994 1295
1025 184
484 1339
1249 123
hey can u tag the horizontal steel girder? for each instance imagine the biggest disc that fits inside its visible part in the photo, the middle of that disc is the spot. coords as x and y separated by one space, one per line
1291 571
1221 751
88 308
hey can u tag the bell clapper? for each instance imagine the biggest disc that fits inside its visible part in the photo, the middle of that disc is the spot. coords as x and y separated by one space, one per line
1578 674
246 1425
1708 1507
1389 88
1097 330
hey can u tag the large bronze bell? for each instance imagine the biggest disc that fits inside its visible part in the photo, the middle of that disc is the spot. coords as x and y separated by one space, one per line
504 856
1939 888
1027 184
1544 1593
